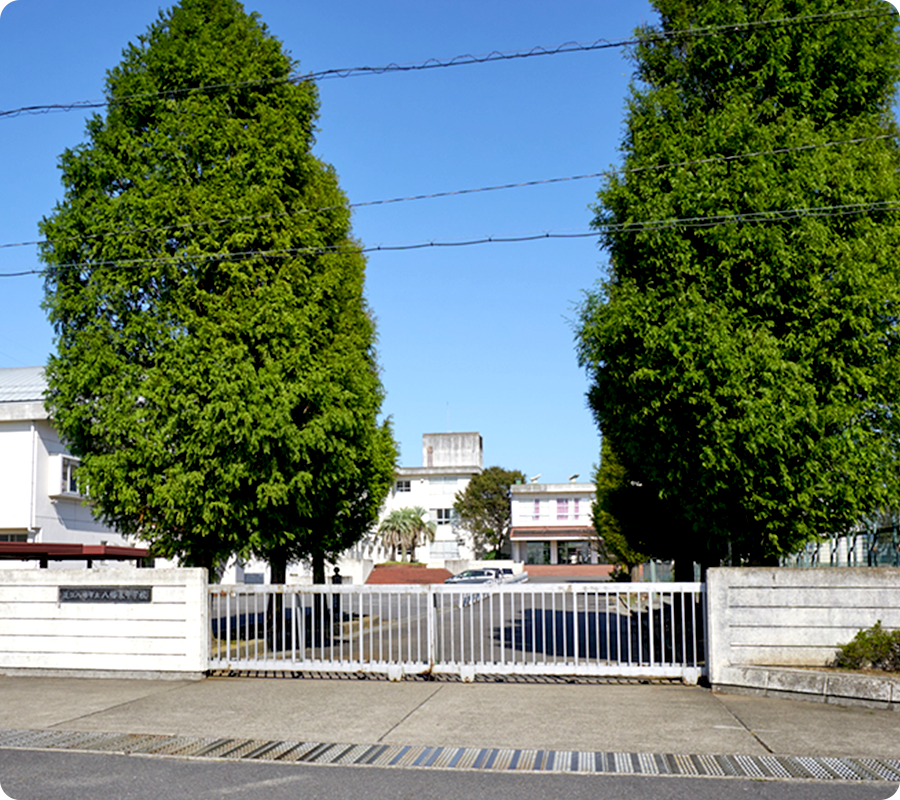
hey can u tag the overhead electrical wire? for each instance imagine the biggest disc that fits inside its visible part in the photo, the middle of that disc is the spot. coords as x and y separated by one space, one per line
752 217
458 192
463 60
490 57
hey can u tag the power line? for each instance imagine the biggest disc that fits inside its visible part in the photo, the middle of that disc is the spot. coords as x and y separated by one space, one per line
773 215
750 217
461 60
459 192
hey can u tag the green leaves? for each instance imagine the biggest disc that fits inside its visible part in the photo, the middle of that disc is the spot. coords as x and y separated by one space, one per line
222 401
484 507
743 369
406 528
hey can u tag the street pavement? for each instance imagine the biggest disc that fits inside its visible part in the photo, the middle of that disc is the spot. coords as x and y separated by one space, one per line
583 716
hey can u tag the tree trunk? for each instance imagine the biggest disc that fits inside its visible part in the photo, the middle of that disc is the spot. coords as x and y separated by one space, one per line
279 627
278 568
320 617
204 560
318 567
684 568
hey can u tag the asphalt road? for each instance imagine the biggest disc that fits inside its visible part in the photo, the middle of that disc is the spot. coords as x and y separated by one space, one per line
41 775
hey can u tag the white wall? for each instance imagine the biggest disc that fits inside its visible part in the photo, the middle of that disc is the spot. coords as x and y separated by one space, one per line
431 490
523 508
63 518
30 499
168 637
793 617
16 466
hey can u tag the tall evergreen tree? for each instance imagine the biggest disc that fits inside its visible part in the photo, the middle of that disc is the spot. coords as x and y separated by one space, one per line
743 349
215 366
485 508
615 497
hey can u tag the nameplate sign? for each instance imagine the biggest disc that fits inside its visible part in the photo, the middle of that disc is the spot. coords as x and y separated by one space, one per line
105 594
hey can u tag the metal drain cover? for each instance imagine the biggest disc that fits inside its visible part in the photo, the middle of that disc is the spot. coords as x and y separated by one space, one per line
471 758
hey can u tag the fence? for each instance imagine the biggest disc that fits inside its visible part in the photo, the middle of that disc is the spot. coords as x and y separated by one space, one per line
876 548
654 630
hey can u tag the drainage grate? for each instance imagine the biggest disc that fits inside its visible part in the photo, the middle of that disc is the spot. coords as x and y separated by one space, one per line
479 758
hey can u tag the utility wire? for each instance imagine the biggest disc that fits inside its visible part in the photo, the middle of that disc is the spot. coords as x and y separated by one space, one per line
457 192
751 217
462 60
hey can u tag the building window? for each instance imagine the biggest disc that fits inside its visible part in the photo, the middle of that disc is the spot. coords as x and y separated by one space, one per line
562 509
575 508
403 486
442 485
442 516
69 481
13 537
537 509
573 552
537 553
64 480
443 550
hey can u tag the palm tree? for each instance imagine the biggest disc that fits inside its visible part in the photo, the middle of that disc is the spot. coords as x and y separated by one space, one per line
418 531
393 531
405 528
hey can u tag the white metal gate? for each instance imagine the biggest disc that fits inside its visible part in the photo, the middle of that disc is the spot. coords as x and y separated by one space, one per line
615 629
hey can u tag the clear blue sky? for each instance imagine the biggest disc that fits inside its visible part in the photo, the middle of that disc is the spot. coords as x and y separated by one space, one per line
471 338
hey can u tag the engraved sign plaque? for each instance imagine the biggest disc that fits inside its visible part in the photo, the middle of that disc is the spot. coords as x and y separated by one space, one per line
105 594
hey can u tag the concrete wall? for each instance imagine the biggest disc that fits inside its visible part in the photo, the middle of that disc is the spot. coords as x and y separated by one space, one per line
168 637
452 450
780 617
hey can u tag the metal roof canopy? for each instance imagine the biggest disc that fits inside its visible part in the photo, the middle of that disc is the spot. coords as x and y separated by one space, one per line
22 384
64 551
550 533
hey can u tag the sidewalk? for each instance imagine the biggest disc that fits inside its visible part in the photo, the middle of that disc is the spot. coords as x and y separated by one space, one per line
585 717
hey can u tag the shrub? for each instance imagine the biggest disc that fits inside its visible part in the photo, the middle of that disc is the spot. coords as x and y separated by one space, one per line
620 574
874 648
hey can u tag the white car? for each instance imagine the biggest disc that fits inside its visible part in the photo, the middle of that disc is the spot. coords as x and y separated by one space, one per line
489 575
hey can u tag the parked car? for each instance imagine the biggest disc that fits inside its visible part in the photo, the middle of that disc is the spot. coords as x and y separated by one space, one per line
476 576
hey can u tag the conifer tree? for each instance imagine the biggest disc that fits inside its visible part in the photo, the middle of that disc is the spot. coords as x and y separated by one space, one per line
215 367
743 347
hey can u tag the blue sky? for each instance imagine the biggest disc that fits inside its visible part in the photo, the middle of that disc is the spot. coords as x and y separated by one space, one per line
470 338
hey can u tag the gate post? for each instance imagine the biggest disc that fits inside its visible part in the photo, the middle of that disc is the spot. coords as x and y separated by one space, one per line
495 591
430 627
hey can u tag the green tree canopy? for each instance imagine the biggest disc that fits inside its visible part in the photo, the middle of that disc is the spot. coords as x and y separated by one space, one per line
215 366
615 498
406 528
743 348
485 509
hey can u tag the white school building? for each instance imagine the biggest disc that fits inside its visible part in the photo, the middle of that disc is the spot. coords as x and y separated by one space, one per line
40 501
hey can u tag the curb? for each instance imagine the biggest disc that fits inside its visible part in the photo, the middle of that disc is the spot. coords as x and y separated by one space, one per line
836 688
